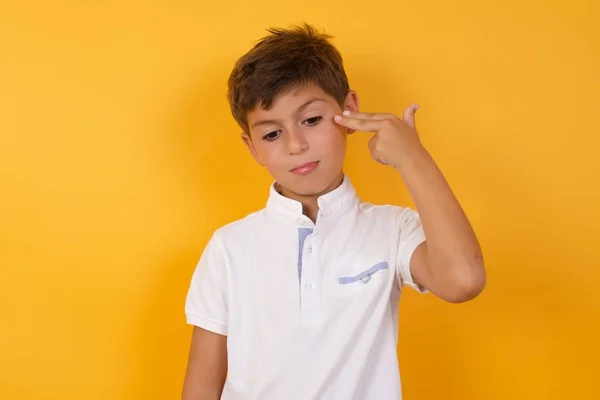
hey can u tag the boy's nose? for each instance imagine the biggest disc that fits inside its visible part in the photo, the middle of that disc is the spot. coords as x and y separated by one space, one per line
297 143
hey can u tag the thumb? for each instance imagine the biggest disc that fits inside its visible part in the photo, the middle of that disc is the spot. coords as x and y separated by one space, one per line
409 115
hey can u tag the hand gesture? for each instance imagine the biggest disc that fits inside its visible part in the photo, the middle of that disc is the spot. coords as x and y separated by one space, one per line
394 138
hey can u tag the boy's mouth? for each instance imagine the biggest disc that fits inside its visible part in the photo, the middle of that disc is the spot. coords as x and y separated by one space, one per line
305 169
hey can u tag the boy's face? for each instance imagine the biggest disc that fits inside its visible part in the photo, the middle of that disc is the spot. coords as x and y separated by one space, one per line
298 141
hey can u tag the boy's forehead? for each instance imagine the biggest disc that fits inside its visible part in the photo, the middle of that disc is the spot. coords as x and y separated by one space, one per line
288 102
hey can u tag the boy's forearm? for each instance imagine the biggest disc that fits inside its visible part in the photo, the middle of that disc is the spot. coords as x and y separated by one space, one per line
453 251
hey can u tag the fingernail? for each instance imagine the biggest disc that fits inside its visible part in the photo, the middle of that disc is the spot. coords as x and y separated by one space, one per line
338 118
346 113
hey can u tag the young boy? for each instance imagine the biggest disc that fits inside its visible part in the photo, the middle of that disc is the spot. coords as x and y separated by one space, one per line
300 299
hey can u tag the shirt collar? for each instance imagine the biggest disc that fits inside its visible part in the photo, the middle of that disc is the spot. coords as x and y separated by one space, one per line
331 205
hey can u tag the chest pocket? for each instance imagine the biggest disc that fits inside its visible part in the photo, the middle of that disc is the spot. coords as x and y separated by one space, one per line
365 276
369 282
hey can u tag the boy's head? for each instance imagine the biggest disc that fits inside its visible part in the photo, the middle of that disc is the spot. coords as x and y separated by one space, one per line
284 93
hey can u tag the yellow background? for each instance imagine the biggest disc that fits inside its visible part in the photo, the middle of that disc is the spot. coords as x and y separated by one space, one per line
118 158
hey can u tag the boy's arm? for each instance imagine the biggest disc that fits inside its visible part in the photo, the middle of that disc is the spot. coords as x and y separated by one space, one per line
207 366
449 263
206 309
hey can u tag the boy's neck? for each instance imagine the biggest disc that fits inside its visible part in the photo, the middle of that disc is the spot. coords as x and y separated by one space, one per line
310 205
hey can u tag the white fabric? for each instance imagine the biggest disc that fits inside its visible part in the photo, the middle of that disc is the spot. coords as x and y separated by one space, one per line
308 337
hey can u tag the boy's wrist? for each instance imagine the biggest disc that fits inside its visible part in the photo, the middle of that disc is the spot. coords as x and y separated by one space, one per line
411 157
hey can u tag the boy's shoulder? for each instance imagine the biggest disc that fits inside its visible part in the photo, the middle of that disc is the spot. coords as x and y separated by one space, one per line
368 207
389 216
242 226
383 210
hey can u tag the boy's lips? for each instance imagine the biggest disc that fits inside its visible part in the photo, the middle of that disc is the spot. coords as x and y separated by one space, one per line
305 168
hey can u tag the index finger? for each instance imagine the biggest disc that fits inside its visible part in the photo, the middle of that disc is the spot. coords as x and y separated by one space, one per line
364 125
364 115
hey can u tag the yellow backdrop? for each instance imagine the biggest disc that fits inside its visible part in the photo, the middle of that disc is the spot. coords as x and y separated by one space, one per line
118 158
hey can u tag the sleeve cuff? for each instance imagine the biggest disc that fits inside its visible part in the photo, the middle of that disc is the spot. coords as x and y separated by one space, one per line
406 255
207 323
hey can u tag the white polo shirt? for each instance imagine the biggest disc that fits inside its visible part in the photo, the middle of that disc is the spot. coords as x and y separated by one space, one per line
310 310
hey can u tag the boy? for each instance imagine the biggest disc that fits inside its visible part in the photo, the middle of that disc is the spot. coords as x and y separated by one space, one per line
300 300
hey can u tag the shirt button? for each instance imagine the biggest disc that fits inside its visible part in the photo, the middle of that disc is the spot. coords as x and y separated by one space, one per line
309 249
310 286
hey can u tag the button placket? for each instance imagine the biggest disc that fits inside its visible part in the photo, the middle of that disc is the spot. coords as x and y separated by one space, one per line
309 283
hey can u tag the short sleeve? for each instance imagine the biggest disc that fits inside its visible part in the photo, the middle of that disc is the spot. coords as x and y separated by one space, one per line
410 236
207 298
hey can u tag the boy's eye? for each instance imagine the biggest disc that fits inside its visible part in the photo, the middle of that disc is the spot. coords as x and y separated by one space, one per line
271 135
313 121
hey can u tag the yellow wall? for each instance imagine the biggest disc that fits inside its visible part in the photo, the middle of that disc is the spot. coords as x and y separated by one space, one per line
112 119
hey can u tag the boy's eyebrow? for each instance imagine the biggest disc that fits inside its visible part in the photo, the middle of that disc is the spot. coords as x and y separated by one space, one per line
299 110
308 103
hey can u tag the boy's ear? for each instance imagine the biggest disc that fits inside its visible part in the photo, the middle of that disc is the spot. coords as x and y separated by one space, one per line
250 145
351 103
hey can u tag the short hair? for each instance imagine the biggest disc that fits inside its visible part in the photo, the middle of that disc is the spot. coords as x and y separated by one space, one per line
285 59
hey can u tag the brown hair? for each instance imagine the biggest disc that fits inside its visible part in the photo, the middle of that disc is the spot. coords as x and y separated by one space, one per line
284 60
